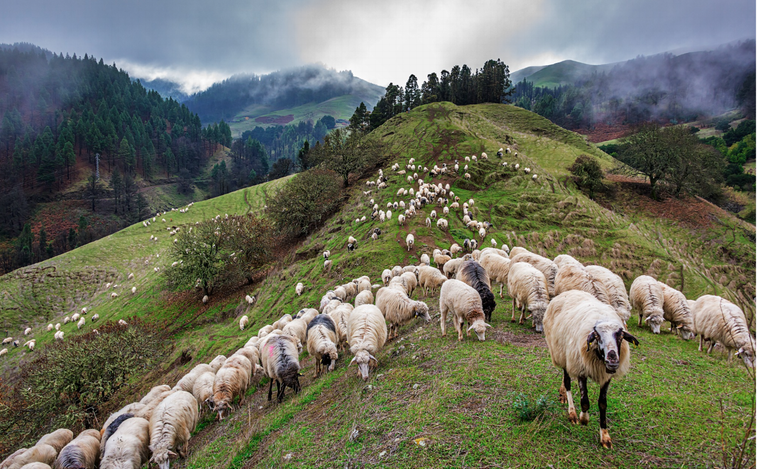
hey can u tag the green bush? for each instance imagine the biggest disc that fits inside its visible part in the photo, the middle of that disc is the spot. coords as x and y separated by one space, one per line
527 410
587 174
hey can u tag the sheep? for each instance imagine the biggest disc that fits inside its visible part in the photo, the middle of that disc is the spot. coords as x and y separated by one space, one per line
586 339
424 259
473 274
82 453
280 363
232 380
67 319
299 288
243 322
202 389
440 259
677 311
282 321
528 287
565 259
50 327
409 241
30 344
113 295
250 299
646 296
57 439
386 276
497 268
466 305
546 266
430 278
206 298
397 271
27 331
331 306
81 323
296 329
95 317
516 251
307 314
719 320
410 281
367 332
614 286
59 335
442 224
364 298
362 285
350 289
265 330
127 446
326 255
398 309
39 453
321 338
328 265
340 315
575 277
122 323
451 267
171 424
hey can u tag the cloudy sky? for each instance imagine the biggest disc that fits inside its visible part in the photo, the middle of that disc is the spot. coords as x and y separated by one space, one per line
199 42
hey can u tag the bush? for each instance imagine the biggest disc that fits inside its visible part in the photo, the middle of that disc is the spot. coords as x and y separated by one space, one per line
528 411
587 174
305 202
220 252
67 383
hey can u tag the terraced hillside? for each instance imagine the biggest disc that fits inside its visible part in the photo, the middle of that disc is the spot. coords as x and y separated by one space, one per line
434 401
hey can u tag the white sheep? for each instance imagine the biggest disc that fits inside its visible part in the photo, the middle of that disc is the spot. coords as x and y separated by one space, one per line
364 298
497 267
575 277
328 265
321 338
424 259
719 320
296 329
646 296
340 315
50 327
677 311
616 289
399 309
442 224
122 323
231 380
250 299
430 278
127 446
38 454
409 241
367 333
81 323
282 321
586 339
95 317
544 265
27 331
243 322
82 452
528 288
171 424
299 288
386 276
465 304
562 259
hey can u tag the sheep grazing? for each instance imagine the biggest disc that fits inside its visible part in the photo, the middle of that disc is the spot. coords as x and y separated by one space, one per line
410 281
37 454
205 299
614 286
282 321
340 315
171 424
442 224
466 305
122 323
398 309
82 453
474 275
367 333
364 298
528 288
326 255
546 266
59 335
328 265
677 311
430 278
50 327
646 296
497 268
95 317
409 241
719 320
27 331
424 259
321 338
451 267
202 389
280 363
386 276
243 322
575 277
127 446
440 259
231 380
299 288
81 323
586 339
250 299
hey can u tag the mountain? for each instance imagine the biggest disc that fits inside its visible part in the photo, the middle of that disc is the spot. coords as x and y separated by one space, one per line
561 73
166 88
432 401
252 96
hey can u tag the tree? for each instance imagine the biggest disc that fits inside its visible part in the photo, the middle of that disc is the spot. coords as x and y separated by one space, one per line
302 156
93 189
645 153
281 168
118 186
412 97
360 120
430 90
346 153
328 121
587 173
69 156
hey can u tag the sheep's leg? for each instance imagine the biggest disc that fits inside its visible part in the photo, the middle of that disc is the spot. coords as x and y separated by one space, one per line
572 410
700 345
711 344
280 391
501 290
605 437
639 323
513 316
443 318
459 327
523 312
729 355
270 386
584 417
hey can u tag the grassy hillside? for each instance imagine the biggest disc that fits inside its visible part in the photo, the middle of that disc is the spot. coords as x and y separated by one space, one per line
561 73
435 402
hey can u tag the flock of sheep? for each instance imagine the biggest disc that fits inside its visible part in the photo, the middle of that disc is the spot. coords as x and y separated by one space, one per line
582 310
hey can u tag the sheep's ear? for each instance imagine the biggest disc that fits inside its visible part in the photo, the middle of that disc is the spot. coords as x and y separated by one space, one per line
487 325
171 454
591 338
680 326
351 361
739 352
371 357
470 327
630 338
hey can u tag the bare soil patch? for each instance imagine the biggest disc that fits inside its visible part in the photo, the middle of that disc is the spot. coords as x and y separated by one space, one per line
278 120
520 340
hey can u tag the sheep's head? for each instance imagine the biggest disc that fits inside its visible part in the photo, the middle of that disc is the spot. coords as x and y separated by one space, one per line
685 332
162 458
608 336
365 362
747 354
479 328
421 310
537 311
221 404
654 321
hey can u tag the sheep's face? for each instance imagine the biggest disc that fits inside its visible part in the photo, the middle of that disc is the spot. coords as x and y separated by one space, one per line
537 311
365 362
686 333
479 328
655 321
747 356
422 311
162 459
608 336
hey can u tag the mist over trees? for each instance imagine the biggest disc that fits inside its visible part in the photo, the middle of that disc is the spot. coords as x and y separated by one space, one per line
57 113
665 88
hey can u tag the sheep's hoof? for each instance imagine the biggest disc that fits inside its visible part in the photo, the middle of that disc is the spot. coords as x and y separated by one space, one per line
572 417
513 319
562 395
584 418
605 438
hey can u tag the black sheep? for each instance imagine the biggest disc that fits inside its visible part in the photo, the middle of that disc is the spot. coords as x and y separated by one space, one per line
473 274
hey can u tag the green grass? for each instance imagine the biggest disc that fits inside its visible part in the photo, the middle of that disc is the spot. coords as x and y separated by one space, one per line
459 397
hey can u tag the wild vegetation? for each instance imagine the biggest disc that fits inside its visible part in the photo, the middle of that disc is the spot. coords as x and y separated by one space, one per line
434 402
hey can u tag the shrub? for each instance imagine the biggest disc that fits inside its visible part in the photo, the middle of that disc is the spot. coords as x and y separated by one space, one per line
527 410
587 174
305 202
67 384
